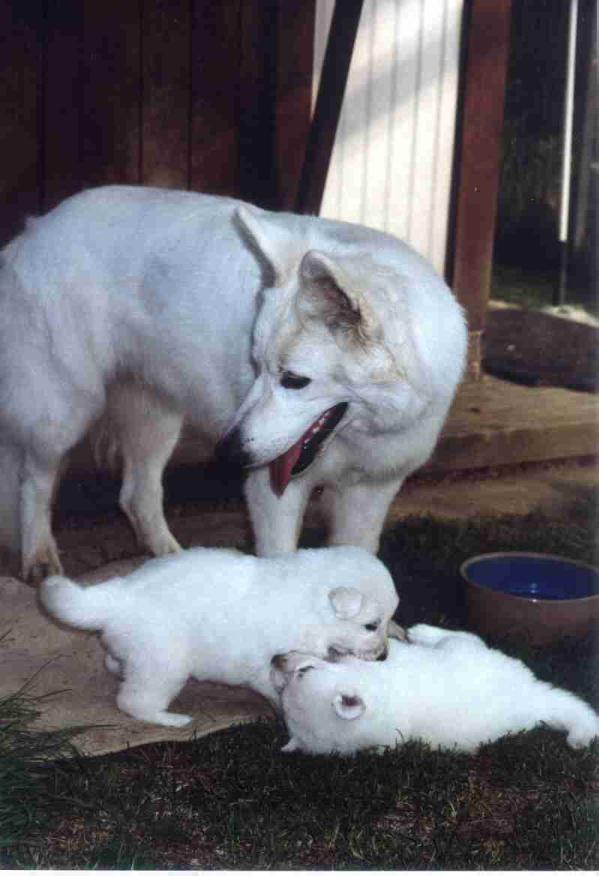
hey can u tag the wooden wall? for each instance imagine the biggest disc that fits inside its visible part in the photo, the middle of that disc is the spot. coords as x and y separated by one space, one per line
212 95
391 165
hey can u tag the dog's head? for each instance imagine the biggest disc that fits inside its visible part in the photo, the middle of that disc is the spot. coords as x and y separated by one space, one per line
326 705
333 350
353 598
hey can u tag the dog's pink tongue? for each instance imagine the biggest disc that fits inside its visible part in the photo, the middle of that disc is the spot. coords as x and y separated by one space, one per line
280 468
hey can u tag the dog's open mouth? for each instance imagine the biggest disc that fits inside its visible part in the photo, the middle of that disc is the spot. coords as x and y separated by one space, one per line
301 455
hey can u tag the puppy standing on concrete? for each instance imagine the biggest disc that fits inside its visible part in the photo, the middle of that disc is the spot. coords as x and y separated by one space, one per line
445 688
219 615
327 353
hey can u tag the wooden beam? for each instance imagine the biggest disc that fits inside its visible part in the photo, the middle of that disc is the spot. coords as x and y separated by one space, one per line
478 159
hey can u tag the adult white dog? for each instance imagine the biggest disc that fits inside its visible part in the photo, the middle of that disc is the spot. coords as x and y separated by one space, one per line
445 688
219 615
328 353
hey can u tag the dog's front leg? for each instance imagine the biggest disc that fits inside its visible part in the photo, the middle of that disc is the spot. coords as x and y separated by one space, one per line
276 521
356 513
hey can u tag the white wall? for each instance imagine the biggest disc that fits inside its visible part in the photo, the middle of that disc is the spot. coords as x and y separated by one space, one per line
392 160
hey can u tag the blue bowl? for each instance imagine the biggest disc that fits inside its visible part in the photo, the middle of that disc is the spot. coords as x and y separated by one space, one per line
538 597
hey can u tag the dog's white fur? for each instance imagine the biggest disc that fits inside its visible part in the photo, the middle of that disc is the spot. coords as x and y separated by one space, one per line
220 615
445 688
149 306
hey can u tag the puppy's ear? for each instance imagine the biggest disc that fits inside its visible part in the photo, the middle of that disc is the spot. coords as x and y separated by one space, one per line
348 706
272 242
346 602
329 292
292 745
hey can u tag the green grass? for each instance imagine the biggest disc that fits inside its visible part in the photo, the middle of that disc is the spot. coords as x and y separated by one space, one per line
233 801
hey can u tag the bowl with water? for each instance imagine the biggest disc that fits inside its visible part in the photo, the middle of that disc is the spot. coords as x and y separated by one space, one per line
533 597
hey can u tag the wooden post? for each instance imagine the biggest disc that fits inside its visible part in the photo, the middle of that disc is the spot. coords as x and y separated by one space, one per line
478 158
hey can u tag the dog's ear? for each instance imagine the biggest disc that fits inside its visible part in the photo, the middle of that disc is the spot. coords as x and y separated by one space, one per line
348 706
329 293
292 745
346 601
272 242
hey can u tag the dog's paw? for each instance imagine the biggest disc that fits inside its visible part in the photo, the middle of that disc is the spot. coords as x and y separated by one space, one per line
41 565
164 544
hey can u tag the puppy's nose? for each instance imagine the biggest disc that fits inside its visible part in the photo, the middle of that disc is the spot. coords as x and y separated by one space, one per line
382 655
229 449
279 661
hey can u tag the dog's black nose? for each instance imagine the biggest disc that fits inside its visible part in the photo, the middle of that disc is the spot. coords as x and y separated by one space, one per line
229 449
382 655
279 661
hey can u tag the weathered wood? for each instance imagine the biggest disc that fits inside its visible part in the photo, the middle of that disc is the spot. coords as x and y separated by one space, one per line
494 423
166 93
215 51
21 74
110 138
478 152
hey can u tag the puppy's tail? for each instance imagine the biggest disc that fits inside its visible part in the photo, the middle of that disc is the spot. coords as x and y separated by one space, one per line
11 463
566 711
87 608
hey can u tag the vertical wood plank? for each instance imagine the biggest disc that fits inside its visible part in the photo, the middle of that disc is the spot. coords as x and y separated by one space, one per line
166 101
111 110
425 158
400 167
21 74
62 101
478 160
215 54
257 96
295 59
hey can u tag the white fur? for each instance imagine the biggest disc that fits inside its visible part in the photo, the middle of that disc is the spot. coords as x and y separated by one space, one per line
147 306
220 616
445 688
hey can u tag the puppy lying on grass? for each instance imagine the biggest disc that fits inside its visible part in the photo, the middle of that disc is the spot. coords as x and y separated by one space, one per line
445 688
219 615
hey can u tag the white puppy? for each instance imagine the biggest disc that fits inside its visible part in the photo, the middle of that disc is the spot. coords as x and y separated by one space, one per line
327 354
445 688
219 615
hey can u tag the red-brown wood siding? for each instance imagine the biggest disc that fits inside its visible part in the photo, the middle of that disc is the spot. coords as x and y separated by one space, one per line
212 96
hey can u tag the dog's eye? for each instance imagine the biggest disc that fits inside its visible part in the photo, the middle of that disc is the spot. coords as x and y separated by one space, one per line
301 672
289 380
371 627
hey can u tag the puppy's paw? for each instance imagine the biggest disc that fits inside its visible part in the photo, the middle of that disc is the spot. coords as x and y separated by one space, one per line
113 665
171 719
164 718
424 634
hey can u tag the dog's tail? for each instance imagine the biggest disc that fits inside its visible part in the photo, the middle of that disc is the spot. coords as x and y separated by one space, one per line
87 608
11 463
